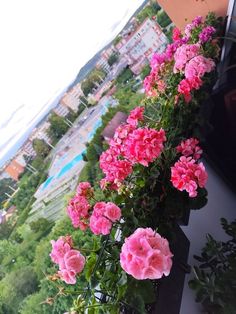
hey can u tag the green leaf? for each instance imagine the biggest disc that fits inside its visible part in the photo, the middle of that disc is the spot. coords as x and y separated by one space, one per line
90 266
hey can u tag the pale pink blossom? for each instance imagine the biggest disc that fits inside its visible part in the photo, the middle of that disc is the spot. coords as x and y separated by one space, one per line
146 255
69 276
104 214
183 54
198 66
59 249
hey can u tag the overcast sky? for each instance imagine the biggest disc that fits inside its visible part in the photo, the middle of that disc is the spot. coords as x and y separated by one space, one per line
44 43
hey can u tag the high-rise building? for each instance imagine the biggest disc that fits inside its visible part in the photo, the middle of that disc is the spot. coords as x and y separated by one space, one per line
139 47
71 98
61 110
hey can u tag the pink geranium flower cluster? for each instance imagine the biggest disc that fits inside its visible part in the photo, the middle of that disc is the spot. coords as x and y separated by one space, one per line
71 262
188 175
135 116
183 54
206 34
78 208
78 211
146 255
190 147
184 58
104 214
129 146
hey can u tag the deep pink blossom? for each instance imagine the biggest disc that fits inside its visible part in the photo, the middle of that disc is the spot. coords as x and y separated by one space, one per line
187 175
144 145
146 255
190 147
78 211
185 88
206 34
176 34
135 116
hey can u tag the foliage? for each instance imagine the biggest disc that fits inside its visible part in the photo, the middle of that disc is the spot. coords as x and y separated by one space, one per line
15 287
145 71
148 12
163 19
113 58
41 147
58 127
4 188
94 78
117 40
215 277
124 77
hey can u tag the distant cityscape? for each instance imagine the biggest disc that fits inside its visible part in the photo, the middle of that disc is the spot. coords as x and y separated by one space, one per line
135 50
87 100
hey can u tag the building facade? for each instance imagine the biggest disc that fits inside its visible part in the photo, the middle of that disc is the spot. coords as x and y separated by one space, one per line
71 99
14 169
139 47
61 110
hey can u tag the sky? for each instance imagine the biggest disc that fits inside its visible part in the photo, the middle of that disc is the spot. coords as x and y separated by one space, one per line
44 43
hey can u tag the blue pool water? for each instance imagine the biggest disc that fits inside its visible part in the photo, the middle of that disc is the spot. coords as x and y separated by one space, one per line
75 160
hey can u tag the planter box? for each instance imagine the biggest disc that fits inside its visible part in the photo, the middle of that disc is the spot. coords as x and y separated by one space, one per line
170 288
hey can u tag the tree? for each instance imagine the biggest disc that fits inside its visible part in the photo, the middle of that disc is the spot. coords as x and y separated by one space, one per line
57 128
113 58
94 78
124 76
16 286
41 147
117 39
145 71
163 19
4 188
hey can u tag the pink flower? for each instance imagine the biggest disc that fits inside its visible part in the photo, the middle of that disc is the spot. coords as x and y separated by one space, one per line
135 116
146 255
69 276
198 66
112 212
190 147
59 249
104 214
206 34
116 170
72 264
187 175
100 225
176 34
84 189
183 54
74 260
144 145
77 210
185 88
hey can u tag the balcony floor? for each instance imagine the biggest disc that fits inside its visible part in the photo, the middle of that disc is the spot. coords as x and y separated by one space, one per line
221 203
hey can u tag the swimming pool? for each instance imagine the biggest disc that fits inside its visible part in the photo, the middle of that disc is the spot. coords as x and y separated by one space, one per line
76 159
